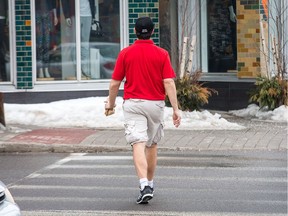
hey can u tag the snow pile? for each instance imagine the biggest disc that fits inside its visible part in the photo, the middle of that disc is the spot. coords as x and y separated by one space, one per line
279 114
89 113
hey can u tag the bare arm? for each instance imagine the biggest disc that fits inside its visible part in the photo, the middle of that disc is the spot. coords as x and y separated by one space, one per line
55 16
170 89
233 17
113 92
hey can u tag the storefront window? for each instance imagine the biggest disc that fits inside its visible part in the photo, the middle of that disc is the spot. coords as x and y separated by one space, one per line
4 42
47 35
222 39
56 39
100 44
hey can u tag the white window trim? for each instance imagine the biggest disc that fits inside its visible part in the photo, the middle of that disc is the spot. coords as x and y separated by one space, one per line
78 41
124 23
285 33
33 38
12 48
204 36
12 45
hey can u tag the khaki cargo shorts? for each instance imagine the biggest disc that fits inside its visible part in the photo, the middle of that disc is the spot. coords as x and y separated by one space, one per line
144 121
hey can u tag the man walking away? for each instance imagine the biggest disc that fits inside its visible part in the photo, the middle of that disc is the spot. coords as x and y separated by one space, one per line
149 77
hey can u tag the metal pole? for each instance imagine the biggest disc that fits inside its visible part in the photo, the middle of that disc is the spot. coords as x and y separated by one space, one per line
2 117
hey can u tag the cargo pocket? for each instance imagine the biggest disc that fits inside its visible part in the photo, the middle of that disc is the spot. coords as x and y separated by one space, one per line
159 134
130 132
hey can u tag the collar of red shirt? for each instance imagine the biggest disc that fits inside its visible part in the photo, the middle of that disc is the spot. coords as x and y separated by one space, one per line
144 41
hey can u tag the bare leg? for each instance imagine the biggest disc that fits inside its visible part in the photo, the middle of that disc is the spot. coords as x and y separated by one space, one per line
41 73
46 73
151 157
141 165
140 161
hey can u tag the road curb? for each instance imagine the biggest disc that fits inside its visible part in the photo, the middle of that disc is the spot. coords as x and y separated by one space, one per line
56 148
68 148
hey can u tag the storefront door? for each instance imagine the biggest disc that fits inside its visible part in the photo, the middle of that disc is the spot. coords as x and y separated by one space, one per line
220 36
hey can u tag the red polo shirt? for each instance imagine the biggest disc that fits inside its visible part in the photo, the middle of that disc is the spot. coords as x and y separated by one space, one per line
144 65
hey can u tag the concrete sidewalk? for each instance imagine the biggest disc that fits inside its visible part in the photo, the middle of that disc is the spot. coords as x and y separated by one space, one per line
258 135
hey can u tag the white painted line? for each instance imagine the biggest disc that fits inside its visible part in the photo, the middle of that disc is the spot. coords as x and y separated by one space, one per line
102 158
105 166
103 176
140 213
127 200
55 165
113 188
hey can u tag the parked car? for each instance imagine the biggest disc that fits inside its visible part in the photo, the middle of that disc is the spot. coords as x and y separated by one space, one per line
108 55
8 207
106 61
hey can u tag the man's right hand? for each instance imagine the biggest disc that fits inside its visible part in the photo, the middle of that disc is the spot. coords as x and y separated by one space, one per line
109 110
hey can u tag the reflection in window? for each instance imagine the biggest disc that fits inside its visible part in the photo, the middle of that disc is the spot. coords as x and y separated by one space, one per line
65 57
4 42
46 19
104 38
87 11
222 40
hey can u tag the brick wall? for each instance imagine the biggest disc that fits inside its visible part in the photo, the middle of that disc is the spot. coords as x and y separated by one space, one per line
23 44
140 8
248 38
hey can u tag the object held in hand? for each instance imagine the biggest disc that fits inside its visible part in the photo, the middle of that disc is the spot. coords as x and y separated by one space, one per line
108 109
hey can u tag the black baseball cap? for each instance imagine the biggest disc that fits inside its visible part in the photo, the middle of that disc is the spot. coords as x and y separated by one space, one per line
144 26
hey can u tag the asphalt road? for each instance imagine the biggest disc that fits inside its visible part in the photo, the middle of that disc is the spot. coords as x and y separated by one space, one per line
187 183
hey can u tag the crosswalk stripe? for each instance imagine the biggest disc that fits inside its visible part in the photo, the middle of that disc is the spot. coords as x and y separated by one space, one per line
92 158
136 213
105 166
103 176
113 188
89 199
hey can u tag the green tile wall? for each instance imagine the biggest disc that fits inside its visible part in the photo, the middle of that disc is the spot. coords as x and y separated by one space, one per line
140 8
23 44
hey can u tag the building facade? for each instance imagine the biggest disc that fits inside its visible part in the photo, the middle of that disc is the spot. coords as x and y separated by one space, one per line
62 49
